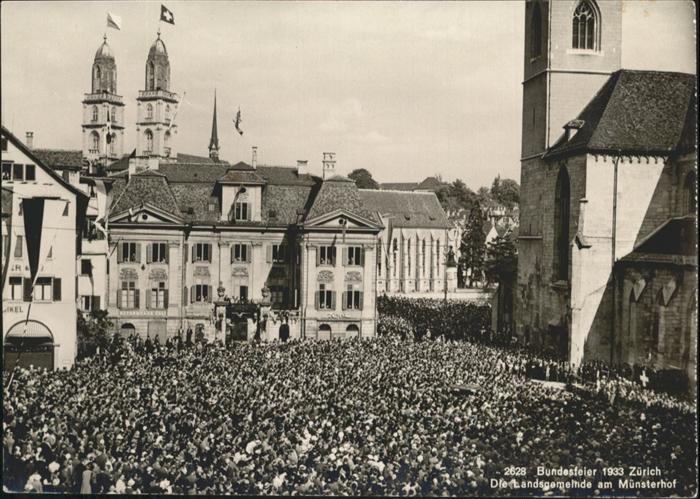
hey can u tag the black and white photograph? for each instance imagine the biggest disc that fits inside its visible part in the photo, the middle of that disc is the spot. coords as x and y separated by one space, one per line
349 248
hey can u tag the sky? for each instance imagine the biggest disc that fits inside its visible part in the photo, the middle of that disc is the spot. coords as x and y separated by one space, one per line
403 89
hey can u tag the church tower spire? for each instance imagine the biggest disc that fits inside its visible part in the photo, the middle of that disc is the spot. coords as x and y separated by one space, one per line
214 141
103 110
155 128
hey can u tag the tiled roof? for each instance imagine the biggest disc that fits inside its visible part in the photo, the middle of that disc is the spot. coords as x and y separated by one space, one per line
122 163
147 187
676 236
398 186
285 175
241 177
193 200
430 184
191 158
340 193
407 209
193 172
60 159
643 112
285 204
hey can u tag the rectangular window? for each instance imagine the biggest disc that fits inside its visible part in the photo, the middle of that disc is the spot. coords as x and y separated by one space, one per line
201 293
30 172
19 244
354 255
6 170
86 267
42 289
353 298
241 211
159 296
159 253
279 253
88 303
128 295
325 298
130 252
278 296
15 288
240 252
326 255
243 292
201 252
17 172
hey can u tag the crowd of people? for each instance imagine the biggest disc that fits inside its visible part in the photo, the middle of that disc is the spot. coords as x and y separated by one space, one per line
353 417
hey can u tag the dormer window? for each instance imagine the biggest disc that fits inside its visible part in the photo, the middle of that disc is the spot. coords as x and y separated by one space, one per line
241 211
572 128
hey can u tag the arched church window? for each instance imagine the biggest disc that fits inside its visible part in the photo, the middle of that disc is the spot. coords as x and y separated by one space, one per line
95 113
96 79
114 114
536 32
151 76
585 24
113 140
562 202
149 112
166 143
690 194
94 142
149 141
167 112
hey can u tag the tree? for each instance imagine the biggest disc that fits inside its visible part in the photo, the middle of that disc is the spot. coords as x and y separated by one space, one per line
505 192
501 255
472 246
456 199
93 331
363 179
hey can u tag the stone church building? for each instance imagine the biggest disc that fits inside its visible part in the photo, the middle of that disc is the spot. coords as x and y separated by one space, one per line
607 246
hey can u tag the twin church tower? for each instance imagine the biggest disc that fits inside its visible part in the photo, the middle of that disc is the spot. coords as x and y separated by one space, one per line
103 109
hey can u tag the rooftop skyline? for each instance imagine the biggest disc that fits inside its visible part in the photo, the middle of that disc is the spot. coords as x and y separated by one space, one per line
406 90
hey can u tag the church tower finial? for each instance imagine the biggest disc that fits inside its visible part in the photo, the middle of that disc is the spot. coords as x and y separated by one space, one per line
214 141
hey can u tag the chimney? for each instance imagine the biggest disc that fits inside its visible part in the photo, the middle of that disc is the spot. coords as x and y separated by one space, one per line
30 140
254 162
328 165
302 167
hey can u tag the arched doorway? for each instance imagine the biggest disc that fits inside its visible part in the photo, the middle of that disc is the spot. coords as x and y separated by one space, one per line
28 343
127 330
324 332
352 330
284 332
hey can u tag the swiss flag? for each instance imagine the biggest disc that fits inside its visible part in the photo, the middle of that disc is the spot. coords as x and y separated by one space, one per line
166 15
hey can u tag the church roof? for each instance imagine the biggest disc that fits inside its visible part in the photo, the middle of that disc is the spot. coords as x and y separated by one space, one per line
147 187
407 209
158 48
60 159
635 112
104 52
427 184
676 236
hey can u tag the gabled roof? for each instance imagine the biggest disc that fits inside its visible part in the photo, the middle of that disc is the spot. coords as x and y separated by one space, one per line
635 112
122 164
398 186
430 184
147 187
207 173
285 175
407 209
285 204
676 236
61 159
28 152
241 177
338 193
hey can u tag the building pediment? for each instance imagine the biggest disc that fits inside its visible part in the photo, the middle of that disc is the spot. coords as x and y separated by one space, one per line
145 214
339 220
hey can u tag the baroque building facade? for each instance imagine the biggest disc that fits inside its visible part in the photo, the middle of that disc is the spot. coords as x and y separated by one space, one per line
608 166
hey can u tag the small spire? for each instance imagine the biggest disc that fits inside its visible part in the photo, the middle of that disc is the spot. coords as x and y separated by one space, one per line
159 31
104 37
214 141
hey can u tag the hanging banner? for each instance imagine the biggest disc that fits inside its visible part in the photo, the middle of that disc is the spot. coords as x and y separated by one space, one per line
33 212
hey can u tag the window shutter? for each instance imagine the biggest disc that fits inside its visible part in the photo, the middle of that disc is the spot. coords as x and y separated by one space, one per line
233 246
148 298
192 293
333 300
150 247
167 253
95 302
345 300
345 255
18 247
209 293
362 257
56 289
184 295
184 252
136 299
361 295
119 298
138 252
318 256
248 253
317 300
334 252
209 252
269 253
27 289
165 299
194 252
120 255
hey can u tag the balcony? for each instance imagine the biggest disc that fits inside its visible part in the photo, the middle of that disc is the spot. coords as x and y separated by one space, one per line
103 97
158 94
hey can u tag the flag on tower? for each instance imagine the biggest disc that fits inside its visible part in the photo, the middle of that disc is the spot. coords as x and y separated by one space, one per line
114 21
237 121
166 15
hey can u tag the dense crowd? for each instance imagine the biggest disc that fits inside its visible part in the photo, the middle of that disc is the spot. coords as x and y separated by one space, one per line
360 416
